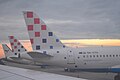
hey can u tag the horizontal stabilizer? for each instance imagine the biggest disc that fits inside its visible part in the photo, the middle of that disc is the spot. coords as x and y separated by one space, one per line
38 55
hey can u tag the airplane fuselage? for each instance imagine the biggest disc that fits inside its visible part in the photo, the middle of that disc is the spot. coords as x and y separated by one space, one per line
83 58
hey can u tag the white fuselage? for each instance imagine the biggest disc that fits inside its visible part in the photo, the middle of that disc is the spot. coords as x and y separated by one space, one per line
83 58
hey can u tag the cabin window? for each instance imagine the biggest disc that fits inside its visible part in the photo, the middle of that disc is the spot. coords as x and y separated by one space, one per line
84 52
116 55
78 57
15 53
113 55
57 51
97 56
76 66
106 55
80 52
64 57
63 46
90 55
21 46
110 55
84 56
19 50
93 55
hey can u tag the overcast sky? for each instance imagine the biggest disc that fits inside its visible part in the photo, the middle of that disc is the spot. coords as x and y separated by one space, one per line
66 18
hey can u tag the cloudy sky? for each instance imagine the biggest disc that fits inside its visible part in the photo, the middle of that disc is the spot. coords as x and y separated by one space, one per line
67 18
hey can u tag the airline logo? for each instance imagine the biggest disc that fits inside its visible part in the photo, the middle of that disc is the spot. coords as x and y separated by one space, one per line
40 35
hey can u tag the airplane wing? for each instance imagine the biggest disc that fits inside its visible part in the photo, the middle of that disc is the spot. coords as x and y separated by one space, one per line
13 73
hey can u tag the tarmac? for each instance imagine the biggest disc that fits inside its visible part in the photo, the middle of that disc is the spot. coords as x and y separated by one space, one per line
59 70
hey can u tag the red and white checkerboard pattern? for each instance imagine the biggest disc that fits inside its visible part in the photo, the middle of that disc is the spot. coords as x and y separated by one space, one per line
38 31
17 47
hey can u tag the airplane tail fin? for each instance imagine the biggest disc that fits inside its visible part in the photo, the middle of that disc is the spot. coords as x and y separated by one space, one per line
7 51
41 37
17 47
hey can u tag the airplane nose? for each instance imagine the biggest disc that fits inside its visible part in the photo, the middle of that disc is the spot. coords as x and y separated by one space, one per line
25 56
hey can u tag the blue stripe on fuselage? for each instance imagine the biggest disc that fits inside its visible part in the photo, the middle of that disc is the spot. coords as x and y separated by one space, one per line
113 70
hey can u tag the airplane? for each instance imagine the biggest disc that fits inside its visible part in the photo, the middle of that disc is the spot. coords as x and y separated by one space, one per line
18 49
14 73
14 54
8 52
48 49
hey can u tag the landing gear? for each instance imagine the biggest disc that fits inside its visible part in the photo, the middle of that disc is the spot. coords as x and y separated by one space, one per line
117 77
69 70
66 69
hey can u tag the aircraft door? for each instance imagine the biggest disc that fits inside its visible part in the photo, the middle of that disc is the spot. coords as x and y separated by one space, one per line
70 58
19 55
